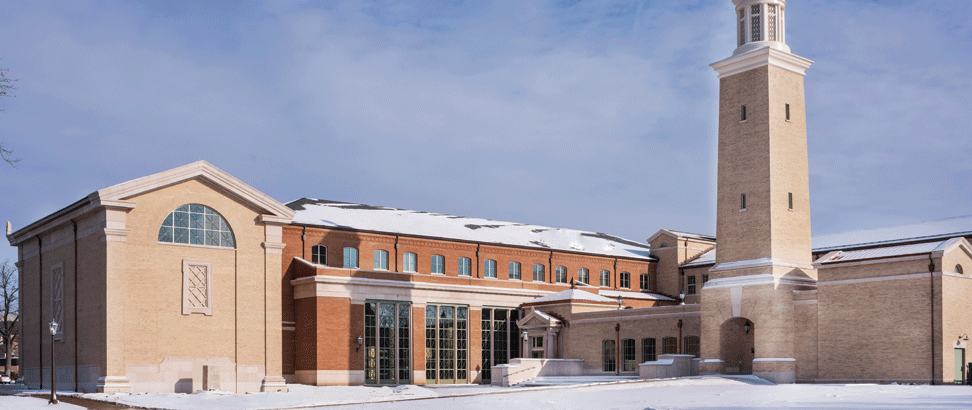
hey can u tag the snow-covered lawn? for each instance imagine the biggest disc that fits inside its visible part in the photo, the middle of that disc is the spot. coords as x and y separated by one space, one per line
689 393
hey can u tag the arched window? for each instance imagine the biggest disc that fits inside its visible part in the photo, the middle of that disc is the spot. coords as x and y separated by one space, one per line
584 276
319 254
609 355
624 280
196 224
489 268
692 345
644 281
438 264
409 262
648 350
561 274
628 352
515 270
670 345
350 257
958 269
381 259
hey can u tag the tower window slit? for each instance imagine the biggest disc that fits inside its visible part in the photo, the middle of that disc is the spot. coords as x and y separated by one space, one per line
791 200
742 202
743 114
788 112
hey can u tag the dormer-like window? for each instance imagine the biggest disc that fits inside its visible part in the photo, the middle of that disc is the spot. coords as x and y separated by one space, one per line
196 224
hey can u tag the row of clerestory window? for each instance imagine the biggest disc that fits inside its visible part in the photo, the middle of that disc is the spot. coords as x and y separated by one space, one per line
437 266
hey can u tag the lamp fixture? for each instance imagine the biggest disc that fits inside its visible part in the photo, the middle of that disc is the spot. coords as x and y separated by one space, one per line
53 328
620 300
748 326
360 343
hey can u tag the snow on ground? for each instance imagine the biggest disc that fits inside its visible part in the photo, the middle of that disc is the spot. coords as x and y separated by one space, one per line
32 403
299 396
687 393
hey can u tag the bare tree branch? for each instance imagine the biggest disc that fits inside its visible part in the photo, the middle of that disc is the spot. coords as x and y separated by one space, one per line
10 311
6 86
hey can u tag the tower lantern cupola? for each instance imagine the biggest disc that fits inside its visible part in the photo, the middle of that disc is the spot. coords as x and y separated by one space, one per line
760 23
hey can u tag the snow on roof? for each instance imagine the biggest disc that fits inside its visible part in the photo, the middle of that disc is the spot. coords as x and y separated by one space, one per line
693 235
571 294
885 252
706 258
613 294
402 221
927 230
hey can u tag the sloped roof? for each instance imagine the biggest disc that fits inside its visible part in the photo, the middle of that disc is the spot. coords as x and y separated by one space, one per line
571 294
920 231
706 258
892 251
613 294
402 221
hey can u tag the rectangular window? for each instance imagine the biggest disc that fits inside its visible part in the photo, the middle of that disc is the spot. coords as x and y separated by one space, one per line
584 276
489 268
538 272
705 278
381 259
742 202
605 278
319 254
644 281
464 264
670 345
609 356
628 350
791 200
788 112
624 280
648 350
692 345
743 117
409 262
350 257
515 270
197 284
438 264
500 338
387 342
561 274
691 285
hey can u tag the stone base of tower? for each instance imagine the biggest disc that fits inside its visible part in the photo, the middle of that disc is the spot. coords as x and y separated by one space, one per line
776 370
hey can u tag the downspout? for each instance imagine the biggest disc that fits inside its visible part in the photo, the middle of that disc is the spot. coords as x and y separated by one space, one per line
616 286
680 334
550 268
478 267
40 310
303 244
75 225
931 296
396 254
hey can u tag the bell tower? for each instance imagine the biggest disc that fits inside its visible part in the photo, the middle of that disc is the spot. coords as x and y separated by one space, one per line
763 248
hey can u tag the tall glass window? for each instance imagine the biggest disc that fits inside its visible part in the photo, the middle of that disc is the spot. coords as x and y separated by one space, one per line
670 345
387 342
319 254
628 351
584 276
464 264
409 262
489 268
538 273
438 264
644 281
605 278
690 285
692 345
500 338
515 270
350 257
381 259
196 224
446 343
609 355
648 350
624 280
561 274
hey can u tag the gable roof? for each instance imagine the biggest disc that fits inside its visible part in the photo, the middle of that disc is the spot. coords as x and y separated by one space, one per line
705 258
680 234
570 294
118 196
402 221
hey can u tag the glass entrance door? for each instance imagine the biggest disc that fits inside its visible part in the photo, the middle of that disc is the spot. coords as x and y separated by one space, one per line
500 338
387 347
446 341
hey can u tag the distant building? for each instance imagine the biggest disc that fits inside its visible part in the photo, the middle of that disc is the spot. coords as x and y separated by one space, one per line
190 279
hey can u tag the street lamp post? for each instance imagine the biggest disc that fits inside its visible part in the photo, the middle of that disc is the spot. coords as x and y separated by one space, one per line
53 399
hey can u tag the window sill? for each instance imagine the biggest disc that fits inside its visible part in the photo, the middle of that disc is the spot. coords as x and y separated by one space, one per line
742 122
189 245
742 210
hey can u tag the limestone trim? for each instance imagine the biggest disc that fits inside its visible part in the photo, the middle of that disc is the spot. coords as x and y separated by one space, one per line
824 264
775 359
638 317
198 169
366 288
755 280
761 57
759 263
877 279
805 302
113 384
197 287
116 235
274 247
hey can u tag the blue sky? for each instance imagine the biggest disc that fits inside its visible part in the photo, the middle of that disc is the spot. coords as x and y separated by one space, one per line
594 115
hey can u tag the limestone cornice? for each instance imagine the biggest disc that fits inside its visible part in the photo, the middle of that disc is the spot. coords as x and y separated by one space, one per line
761 57
759 263
340 286
755 280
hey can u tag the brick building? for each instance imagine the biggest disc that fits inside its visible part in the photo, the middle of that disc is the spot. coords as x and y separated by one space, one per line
191 279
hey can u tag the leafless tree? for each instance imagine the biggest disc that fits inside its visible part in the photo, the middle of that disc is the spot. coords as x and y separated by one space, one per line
6 86
9 308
